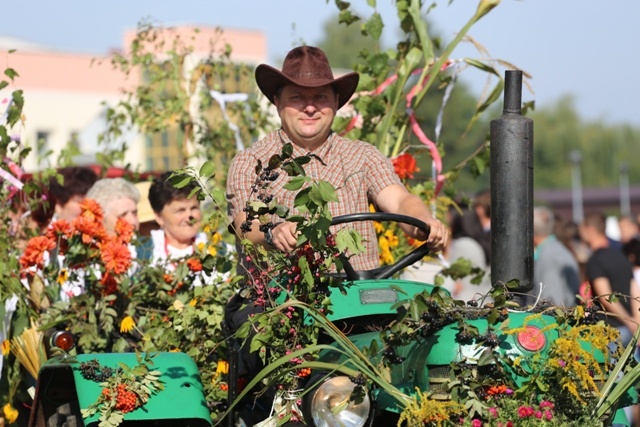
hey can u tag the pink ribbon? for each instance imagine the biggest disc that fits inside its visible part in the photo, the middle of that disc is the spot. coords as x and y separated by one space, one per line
415 126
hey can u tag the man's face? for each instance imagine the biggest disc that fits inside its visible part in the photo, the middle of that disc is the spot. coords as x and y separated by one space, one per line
307 113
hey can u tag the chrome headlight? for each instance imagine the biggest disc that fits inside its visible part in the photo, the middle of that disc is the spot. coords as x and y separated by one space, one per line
331 405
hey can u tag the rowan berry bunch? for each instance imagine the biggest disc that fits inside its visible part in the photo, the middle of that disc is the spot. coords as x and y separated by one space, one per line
126 390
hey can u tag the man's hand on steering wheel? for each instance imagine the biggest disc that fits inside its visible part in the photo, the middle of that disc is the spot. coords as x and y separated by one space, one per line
438 236
284 236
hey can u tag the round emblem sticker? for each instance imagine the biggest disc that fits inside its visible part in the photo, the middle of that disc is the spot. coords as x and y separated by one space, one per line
532 338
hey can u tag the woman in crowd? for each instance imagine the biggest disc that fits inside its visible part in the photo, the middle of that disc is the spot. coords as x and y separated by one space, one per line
118 198
68 189
179 217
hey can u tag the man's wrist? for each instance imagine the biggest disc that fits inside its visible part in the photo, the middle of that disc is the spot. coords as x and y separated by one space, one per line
268 234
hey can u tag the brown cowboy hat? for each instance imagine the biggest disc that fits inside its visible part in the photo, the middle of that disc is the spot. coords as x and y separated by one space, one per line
305 66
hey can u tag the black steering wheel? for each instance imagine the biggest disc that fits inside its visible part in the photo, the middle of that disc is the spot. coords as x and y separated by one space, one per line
387 271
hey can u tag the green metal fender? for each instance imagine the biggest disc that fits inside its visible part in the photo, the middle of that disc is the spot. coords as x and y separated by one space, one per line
181 403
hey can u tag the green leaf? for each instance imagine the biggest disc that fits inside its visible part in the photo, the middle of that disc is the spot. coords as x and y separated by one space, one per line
327 192
180 182
481 66
374 26
295 183
11 73
287 150
207 169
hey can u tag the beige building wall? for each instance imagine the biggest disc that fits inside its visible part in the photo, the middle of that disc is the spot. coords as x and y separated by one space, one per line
65 92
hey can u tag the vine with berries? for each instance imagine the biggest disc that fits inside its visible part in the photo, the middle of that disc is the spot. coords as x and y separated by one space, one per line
305 274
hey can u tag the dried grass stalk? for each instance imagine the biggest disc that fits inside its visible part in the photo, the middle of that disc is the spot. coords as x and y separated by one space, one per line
29 350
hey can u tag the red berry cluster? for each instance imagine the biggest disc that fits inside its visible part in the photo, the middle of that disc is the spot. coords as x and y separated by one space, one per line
126 400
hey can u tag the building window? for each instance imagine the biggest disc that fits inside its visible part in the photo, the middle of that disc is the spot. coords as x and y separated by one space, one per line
163 151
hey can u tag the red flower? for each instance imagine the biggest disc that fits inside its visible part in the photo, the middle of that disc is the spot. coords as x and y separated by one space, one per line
59 229
124 230
405 166
194 264
115 256
90 209
109 284
89 229
34 252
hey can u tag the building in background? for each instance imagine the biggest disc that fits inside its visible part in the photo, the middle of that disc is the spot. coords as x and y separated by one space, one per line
67 94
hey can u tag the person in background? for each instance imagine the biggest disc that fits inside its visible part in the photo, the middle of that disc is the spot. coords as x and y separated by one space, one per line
609 271
179 218
67 194
632 250
556 276
146 216
118 198
482 209
628 229
463 226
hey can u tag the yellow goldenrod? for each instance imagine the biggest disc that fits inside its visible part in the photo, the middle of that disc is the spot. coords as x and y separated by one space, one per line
6 347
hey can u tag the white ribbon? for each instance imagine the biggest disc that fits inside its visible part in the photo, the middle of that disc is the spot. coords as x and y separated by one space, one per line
222 99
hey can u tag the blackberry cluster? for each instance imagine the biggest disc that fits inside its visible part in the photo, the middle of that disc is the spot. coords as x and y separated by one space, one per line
266 227
591 316
266 198
391 355
464 337
359 380
491 339
434 319
92 371
268 174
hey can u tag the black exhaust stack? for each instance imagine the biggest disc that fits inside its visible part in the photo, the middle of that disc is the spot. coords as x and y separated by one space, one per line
512 190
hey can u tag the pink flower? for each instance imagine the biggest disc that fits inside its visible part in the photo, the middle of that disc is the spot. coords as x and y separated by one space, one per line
538 415
525 411
546 404
476 423
548 415
493 412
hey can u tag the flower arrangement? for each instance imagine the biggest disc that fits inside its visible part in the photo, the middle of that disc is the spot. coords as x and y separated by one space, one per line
78 256
123 390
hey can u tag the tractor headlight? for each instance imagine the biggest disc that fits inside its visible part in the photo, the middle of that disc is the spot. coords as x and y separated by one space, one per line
331 405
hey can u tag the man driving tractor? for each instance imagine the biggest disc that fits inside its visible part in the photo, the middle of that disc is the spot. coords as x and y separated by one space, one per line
307 97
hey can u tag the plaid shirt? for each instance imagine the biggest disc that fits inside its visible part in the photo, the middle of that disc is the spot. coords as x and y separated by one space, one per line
356 169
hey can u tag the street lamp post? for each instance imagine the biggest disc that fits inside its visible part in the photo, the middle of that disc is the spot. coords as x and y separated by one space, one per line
625 197
576 186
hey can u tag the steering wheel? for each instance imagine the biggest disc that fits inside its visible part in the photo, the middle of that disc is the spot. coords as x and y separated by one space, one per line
387 271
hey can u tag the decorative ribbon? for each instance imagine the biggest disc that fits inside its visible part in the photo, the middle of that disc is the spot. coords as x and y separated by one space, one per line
415 126
222 99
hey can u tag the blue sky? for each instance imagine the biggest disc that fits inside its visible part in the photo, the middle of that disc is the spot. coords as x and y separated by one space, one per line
579 47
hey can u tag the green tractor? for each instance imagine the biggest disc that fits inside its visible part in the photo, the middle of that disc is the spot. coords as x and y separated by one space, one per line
446 351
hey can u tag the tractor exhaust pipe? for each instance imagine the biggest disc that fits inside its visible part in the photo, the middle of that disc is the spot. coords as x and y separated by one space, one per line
512 190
